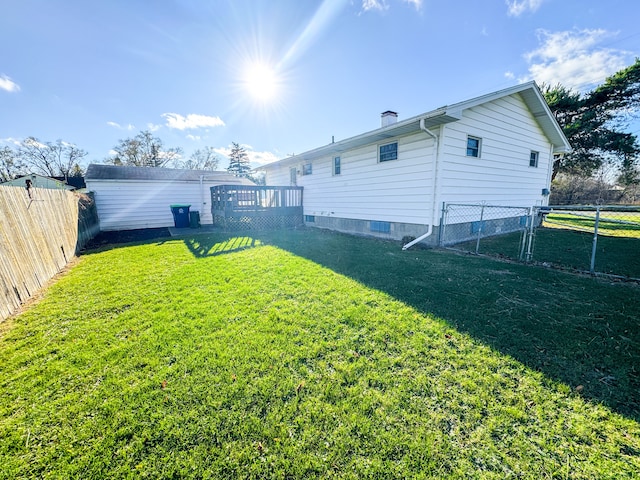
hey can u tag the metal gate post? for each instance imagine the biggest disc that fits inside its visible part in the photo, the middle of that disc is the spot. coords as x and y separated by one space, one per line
592 266
530 239
443 223
480 228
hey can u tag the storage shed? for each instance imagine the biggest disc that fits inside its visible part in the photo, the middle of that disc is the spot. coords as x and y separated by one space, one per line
129 198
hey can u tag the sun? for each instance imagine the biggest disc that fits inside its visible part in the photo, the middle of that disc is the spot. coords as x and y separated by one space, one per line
261 82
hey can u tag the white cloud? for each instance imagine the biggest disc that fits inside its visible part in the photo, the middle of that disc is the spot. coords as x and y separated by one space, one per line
573 59
120 127
11 140
192 120
194 137
8 85
415 3
152 127
509 75
374 5
515 8
113 153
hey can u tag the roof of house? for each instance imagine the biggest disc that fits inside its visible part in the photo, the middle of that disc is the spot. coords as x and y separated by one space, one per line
43 181
115 172
529 92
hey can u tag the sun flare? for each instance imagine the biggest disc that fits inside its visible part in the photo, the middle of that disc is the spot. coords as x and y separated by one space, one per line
261 81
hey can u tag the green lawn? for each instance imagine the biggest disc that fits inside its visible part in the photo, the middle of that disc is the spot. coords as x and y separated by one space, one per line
566 248
304 354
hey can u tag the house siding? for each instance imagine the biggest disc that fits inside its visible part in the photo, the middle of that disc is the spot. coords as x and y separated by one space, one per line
134 204
405 193
394 191
501 175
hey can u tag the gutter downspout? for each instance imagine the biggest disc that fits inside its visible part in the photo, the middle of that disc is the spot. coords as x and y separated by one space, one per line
201 195
436 148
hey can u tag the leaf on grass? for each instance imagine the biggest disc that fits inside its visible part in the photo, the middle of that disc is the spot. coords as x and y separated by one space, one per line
163 385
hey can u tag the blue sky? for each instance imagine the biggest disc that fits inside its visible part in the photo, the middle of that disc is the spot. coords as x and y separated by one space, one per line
283 77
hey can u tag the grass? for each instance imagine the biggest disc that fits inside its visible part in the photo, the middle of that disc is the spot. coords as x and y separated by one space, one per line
304 354
612 224
569 248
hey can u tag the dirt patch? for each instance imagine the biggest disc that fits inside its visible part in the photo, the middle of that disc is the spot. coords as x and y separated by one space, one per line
127 236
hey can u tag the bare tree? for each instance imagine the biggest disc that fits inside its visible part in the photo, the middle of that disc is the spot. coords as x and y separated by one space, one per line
202 159
48 158
144 150
10 165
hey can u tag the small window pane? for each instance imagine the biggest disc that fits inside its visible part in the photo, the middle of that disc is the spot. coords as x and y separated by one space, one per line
307 169
473 147
533 159
389 152
336 166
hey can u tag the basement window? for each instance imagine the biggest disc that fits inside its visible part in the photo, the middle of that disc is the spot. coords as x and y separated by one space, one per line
473 146
533 159
310 218
382 227
388 152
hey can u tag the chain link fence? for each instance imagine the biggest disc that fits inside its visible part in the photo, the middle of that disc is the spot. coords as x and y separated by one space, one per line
472 228
596 239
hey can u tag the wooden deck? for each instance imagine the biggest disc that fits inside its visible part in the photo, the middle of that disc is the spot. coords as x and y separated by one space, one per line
256 207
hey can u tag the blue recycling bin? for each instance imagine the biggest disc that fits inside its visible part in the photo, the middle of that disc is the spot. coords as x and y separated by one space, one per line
180 215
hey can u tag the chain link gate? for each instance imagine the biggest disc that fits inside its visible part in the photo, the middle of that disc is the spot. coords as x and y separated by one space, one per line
466 227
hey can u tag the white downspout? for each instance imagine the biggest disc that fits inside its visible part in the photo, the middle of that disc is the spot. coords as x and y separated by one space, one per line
201 196
433 187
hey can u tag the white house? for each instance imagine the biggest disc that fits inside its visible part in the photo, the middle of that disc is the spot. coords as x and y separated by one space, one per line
129 198
392 181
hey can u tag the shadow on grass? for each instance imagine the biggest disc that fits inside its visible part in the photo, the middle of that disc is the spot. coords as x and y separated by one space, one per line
578 330
219 244
568 249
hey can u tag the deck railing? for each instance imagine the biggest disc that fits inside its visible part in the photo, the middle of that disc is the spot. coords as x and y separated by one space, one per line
233 204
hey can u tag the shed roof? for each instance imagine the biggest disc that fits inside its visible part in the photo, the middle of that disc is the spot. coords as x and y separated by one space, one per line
529 92
116 172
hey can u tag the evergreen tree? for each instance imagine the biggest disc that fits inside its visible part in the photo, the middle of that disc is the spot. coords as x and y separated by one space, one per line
594 122
238 161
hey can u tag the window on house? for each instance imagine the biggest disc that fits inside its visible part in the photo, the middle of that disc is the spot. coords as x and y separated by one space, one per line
293 176
306 169
382 227
533 159
473 146
388 152
336 165
310 218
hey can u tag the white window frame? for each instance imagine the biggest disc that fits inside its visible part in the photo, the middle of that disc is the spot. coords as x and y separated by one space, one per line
339 164
479 139
307 169
531 157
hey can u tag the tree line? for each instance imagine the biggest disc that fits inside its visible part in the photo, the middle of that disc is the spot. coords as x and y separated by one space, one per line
64 159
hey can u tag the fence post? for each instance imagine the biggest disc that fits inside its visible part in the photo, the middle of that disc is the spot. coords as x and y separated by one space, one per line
443 220
480 228
592 267
530 239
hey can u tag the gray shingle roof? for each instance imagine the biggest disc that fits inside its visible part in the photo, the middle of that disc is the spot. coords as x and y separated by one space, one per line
114 172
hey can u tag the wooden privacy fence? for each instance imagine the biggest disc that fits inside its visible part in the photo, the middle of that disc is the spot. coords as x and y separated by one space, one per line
40 233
